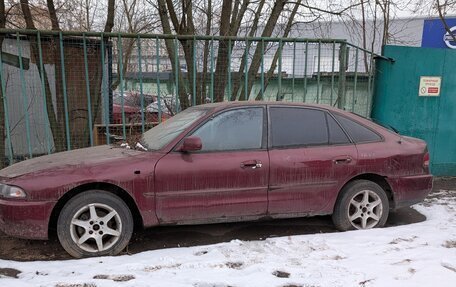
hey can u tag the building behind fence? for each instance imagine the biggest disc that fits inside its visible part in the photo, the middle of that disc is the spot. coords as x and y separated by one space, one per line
67 90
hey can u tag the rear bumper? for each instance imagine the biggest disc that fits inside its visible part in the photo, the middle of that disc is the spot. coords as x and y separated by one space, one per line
409 190
25 219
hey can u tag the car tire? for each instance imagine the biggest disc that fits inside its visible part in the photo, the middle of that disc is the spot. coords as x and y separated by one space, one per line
94 223
362 204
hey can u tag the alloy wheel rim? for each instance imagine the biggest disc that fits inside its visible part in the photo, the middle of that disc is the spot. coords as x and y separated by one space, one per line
95 227
365 209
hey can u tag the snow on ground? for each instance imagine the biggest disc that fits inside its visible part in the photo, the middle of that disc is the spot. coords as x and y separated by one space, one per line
421 254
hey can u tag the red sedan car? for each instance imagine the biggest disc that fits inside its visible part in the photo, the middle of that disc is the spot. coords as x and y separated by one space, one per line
217 163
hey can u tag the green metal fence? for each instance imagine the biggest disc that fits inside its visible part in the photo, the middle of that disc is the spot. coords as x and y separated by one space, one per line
67 90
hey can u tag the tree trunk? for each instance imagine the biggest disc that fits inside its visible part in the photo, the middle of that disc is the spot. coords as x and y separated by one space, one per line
221 69
363 12
267 32
125 60
53 15
170 47
99 72
252 33
59 92
206 49
110 18
253 70
227 28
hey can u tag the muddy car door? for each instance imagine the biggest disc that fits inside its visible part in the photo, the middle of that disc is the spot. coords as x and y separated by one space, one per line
226 180
311 158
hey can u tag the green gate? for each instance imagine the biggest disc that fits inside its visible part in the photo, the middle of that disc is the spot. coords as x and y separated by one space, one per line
398 102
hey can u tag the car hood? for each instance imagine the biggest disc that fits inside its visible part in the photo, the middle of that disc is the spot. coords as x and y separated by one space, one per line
80 157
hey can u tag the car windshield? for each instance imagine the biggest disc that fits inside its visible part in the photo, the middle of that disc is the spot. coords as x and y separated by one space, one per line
162 134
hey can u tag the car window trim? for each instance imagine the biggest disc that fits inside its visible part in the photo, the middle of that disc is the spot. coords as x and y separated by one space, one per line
351 141
211 116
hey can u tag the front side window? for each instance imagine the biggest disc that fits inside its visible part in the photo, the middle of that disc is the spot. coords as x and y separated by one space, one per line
358 132
297 127
240 129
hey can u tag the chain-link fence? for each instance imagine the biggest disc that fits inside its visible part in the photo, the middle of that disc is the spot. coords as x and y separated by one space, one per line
68 90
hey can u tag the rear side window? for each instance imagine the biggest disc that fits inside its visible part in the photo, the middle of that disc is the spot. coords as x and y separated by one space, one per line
297 127
336 134
358 132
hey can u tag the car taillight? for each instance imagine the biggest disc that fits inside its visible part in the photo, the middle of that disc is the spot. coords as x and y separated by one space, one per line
426 160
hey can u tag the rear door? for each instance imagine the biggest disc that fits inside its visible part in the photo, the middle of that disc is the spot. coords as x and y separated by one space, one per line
311 158
226 180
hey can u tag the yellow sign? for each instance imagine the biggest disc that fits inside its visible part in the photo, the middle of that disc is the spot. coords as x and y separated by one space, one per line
430 86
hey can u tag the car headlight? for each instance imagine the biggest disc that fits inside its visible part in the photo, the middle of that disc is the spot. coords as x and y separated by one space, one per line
8 191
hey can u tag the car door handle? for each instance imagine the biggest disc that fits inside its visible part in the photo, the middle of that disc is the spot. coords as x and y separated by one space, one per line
254 164
342 160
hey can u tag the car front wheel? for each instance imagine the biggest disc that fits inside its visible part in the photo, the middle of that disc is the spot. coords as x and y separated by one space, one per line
362 205
94 223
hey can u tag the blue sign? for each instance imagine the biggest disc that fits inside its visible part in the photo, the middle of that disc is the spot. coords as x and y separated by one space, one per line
436 36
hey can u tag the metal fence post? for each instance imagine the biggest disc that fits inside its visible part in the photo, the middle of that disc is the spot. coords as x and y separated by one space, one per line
89 100
24 96
141 83
342 75
6 113
120 79
43 93
104 80
65 96
157 51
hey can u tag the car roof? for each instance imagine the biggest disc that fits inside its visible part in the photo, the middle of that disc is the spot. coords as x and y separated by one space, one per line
224 105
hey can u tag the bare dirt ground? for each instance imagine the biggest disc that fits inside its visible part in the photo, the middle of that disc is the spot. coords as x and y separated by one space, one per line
182 236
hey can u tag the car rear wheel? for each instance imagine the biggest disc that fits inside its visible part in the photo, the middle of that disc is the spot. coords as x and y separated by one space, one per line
94 223
362 205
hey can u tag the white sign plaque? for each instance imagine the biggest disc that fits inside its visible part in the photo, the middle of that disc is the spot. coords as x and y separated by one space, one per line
429 86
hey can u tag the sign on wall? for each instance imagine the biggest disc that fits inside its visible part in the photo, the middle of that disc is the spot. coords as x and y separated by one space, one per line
430 86
436 36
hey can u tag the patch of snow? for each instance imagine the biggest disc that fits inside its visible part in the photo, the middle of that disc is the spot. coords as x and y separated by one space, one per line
421 254
140 146
125 145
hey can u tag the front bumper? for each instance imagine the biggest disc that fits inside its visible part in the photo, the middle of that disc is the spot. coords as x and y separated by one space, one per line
24 219
409 190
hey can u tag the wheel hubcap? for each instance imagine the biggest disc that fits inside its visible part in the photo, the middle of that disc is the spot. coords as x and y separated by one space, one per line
95 227
365 209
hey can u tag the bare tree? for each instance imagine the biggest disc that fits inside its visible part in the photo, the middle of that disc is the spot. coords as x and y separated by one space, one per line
273 66
110 17
267 32
171 49
53 15
230 22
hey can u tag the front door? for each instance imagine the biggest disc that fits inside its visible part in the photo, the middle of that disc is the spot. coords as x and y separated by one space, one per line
226 180
311 158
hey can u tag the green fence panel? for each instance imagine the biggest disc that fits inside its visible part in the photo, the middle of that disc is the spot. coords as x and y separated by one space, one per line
432 118
102 88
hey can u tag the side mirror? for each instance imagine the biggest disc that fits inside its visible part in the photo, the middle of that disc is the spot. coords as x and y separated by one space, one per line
191 144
